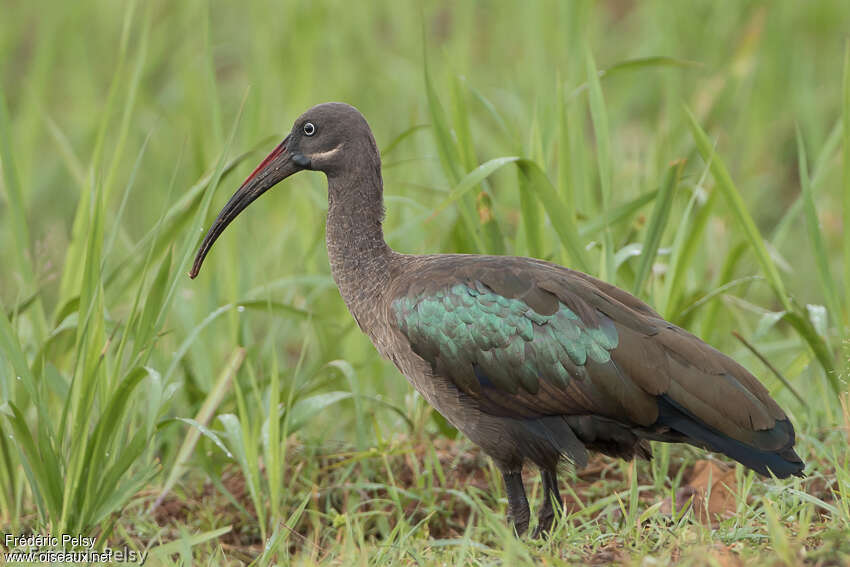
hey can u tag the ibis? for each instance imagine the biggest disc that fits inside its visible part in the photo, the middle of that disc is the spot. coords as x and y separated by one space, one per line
534 362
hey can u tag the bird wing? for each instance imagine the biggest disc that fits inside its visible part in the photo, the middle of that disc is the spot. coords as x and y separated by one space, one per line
526 338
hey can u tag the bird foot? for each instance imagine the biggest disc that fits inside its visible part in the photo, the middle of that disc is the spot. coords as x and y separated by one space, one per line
520 527
544 526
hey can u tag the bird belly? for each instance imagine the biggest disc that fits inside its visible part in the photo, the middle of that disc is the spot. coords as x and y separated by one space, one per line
491 433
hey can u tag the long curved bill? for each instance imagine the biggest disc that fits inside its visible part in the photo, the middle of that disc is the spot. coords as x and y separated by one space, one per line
277 166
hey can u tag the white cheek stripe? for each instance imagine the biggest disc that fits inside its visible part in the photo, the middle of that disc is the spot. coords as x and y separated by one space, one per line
327 154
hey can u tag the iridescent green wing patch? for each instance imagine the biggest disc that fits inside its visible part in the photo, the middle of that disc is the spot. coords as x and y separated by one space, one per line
482 339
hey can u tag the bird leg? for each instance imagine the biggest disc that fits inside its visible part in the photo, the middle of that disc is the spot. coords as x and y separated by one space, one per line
551 503
517 503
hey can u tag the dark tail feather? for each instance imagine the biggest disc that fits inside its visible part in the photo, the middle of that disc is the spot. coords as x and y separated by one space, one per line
781 463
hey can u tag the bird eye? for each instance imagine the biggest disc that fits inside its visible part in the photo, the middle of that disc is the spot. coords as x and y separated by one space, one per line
309 128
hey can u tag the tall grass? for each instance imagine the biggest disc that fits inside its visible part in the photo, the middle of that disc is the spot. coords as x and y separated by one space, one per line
695 155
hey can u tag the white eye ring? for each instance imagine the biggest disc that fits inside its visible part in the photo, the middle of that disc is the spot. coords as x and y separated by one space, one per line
309 128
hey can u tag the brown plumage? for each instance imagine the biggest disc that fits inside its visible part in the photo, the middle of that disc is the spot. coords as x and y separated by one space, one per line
531 360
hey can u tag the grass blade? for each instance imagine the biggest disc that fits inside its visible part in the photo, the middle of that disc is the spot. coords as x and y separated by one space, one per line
789 218
804 327
736 205
47 493
166 230
72 275
11 351
750 347
556 210
657 224
599 117
616 214
828 287
472 179
451 158
684 248
305 409
18 215
531 219
66 150
166 550
446 147
203 417
636 64
111 424
845 117
565 172
388 149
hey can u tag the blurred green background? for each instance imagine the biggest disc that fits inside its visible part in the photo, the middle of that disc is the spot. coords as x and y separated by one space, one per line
113 112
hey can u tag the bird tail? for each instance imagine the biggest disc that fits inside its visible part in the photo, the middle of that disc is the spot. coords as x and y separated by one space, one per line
782 462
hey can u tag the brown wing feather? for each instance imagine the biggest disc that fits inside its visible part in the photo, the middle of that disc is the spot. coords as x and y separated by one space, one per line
653 357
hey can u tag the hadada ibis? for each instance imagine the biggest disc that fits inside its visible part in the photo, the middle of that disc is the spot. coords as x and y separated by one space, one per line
530 360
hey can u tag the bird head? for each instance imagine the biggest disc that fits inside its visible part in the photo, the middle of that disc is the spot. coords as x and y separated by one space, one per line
325 138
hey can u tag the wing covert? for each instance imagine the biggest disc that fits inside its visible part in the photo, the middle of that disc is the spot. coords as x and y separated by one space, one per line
485 341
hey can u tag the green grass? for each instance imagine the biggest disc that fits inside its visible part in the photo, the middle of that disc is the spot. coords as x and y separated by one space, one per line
697 154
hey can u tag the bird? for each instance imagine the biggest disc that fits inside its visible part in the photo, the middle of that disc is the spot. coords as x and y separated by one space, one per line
534 362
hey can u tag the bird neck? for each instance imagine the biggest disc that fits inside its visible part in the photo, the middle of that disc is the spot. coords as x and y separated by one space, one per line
359 256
